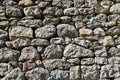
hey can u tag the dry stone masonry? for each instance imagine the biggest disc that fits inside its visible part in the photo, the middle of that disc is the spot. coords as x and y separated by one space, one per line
59 39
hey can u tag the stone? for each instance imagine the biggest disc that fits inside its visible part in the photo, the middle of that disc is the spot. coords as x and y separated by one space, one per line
59 75
90 3
66 30
86 11
57 41
29 53
73 61
5 69
7 54
75 73
71 11
15 74
47 31
25 2
75 51
100 51
87 61
110 71
107 41
9 3
20 32
3 24
2 43
117 41
52 64
113 17
40 42
85 32
90 72
52 52
44 4
3 34
32 11
113 51
78 3
28 65
114 60
14 64
99 31
30 23
115 8
57 3
79 25
40 49
65 19
109 24
107 3
101 60
13 12
37 74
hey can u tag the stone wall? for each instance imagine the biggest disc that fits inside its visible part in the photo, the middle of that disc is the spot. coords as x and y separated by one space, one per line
59 40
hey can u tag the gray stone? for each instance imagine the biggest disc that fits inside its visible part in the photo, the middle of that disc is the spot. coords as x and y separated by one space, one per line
9 3
13 12
75 51
78 3
52 52
113 31
73 61
115 8
79 25
37 74
3 24
66 30
3 34
113 51
20 32
71 11
113 17
114 60
90 3
2 43
52 64
100 51
86 11
7 54
57 41
47 31
59 75
40 42
101 60
32 11
66 19
99 31
29 53
2 11
109 24
117 40
5 69
40 49
87 61
25 3
90 72
15 74
44 4
57 3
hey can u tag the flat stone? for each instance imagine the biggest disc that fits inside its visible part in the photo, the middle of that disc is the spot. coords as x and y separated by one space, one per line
87 61
40 42
57 3
20 32
73 61
5 69
115 8
101 60
52 52
47 31
71 11
57 41
66 30
7 54
78 3
100 51
114 60
29 53
9 3
90 3
75 51
25 2
65 19
44 4
113 51
3 24
37 74
99 32
85 32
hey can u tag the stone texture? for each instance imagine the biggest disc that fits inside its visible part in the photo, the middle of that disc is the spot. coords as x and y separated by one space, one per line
3 34
87 61
100 51
9 3
57 41
40 42
101 60
71 11
85 32
25 2
115 8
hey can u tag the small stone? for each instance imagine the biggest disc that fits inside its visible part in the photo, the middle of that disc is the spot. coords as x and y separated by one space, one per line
66 30
71 11
113 31
113 51
2 12
86 11
107 3
5 69
57 3
100 51
15 74
9 3
3 34
66 3
2 44
65 19
47 31
20 32
87 61
74 61
109 24
29 53
79 25
3 24
52 52
101 60
37 74
14 64
40 49
115 8
99 32
44 4
78 3
25 2
90 3
85 32
57 41
32 11
114 60
40 42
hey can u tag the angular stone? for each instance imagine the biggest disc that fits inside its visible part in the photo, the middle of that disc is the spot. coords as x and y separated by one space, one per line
59 75
3 34
100 51
29 53
20 32
37 74
99 31
52 52
115 8
13 12
75 73
90 72
113 51
66 30
114 60
47 31
101 60
7 54
71 11
40 42
57 41
5 69
15 74
32 11
85 32
87 61
52 64
25 2
75 51
9 3
74 61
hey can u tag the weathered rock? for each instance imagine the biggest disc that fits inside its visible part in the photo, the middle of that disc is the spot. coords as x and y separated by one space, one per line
14 64
52 64
40 42
66 19
85 32
113 31
40 49
7 54
32 11
66 30
113 51
5 69
52 52
29 53
101 60
79 24
2 12
2 44
3 34
3 24
86 11
87 61
59 75
9 3
113 17
100 51
99 31
44 4
71 11
47 31
20 32
57 3
15 74
115 8
90 3
74 61
37 74
13 12
57 41
78 3
75 51
25 2
114 60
